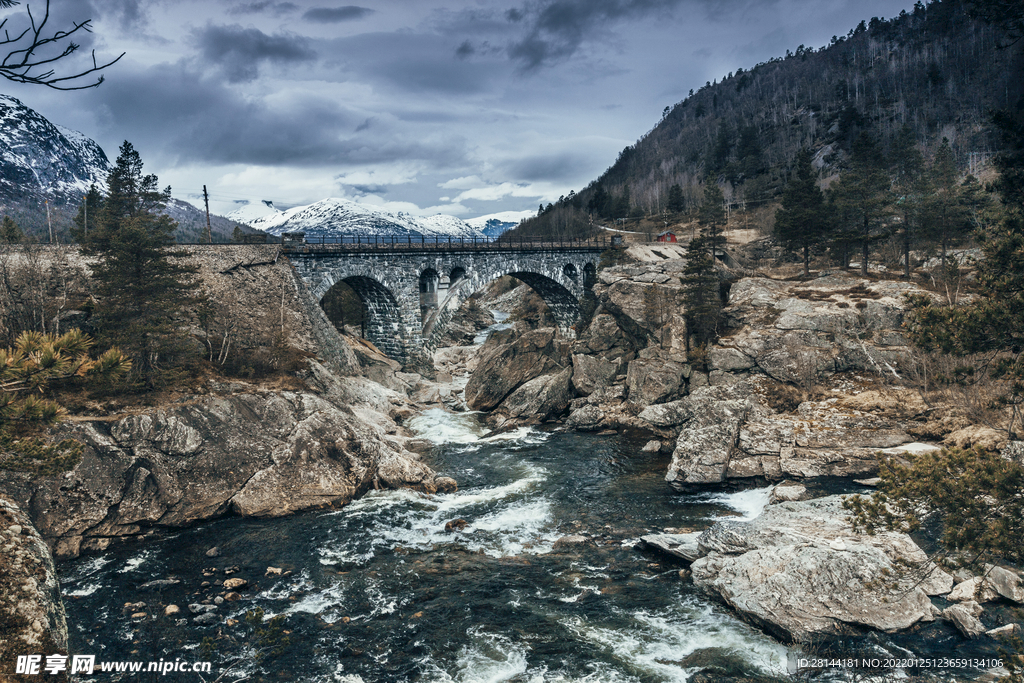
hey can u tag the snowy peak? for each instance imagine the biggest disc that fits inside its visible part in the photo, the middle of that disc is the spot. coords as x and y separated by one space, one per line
39 160
334 217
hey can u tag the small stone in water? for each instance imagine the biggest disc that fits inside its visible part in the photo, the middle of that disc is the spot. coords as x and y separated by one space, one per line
231 622
139 615
232 584
273 570
213 552
171 609
455 525
218 600
232 597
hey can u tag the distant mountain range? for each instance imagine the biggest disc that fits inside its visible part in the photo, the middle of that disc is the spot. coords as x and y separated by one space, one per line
336 217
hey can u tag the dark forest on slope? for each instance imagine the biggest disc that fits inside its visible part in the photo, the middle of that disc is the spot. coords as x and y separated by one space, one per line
935 71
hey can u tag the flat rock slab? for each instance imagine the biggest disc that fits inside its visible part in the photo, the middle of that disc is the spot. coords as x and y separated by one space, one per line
800 572
683 546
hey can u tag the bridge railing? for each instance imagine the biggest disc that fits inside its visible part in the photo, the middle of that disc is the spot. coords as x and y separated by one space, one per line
348 243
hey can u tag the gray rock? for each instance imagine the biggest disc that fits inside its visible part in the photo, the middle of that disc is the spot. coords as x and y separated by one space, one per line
668 414
261 454
1005 582
159 584
800 571
508 361
1014 452
652 446
729 359
683 546
1007 631
785 493
207 619
571 541
543 397
592 372
31 608
587 418
654 381
974 589
706 442
196 608
964 619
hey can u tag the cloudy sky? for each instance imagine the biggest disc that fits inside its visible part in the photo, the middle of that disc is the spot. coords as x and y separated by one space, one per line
467 107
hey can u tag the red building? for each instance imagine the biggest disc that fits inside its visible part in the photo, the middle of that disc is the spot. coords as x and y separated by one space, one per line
667 236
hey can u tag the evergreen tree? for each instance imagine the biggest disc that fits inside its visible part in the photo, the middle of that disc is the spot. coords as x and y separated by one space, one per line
676 203
10 233
622 204
142 286
908 187
803 219
862 196
711 216
701 298
598 204
944 210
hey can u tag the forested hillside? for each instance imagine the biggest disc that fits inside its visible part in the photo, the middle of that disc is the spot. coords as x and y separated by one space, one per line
930 74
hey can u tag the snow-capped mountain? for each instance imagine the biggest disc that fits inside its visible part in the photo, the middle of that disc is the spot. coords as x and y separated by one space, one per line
252 211
336 217
39 160
493 225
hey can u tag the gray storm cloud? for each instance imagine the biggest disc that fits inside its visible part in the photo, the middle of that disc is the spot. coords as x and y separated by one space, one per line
240 51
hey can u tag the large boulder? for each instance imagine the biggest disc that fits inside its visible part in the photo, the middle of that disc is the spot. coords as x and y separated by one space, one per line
653 380
509 359
31 610
590 373
707 440
801 572
542 397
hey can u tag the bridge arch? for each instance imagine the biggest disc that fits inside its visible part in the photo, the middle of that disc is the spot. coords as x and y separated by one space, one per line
382 317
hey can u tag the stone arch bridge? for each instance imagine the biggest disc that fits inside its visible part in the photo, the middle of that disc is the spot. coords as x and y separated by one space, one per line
412 292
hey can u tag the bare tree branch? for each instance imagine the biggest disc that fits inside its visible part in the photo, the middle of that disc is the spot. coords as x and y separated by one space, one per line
23 65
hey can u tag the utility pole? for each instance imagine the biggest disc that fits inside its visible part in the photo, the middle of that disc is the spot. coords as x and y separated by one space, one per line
209 232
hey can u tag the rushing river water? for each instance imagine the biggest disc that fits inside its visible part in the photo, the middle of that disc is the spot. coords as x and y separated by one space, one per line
379 592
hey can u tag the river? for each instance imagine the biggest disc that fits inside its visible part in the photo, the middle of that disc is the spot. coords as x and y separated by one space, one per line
379 591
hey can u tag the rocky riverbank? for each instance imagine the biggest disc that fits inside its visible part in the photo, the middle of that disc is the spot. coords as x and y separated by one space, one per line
800 572
236 451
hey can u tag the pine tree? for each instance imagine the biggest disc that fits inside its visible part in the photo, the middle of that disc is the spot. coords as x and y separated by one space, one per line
802 221
701 297
862 196
908 186
711 216
945 213
676 203
10 233
142 286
